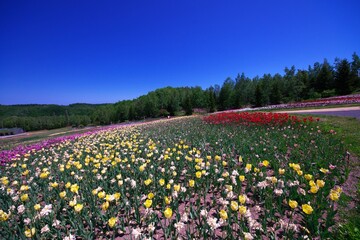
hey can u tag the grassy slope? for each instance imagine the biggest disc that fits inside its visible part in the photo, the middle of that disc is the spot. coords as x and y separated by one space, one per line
348 129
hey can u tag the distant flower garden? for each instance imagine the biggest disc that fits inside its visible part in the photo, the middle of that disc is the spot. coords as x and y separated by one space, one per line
256 118
272 176
349 99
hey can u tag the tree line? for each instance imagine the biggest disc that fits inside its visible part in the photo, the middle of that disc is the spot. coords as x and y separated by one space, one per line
319 80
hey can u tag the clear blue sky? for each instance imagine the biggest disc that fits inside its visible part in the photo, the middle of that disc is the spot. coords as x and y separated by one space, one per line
69 51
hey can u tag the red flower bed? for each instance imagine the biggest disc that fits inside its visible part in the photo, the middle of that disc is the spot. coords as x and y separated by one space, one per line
255 118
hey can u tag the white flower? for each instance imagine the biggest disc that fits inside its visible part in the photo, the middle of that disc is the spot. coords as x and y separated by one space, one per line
27 221
179 226
301 191
45 229
233 180
136 233
133 183
212 223
21 209
56 223
278 192
203 212
10 191
184 217
151 227
15 198
291 184
70 237
230 195
248 236
262 184
223 201
281 183
46 210
174 194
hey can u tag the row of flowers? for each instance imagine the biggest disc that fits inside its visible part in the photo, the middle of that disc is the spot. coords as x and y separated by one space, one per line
20 150
339 100
176 179
256 118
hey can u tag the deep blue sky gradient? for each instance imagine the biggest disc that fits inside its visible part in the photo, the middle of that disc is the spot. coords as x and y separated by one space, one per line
69 51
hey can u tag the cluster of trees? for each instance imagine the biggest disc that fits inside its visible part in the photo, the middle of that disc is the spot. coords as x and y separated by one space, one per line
319 80
37 117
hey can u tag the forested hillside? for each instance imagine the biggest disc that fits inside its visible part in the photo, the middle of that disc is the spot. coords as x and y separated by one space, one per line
319 80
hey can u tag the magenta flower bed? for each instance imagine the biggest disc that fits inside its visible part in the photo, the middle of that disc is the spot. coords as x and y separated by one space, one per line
349 99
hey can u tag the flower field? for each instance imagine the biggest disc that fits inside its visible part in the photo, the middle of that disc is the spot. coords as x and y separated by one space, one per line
338 100
178 179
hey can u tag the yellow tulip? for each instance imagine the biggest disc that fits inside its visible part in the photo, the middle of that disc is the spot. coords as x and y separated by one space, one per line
150 195
223 214
74 188
307 208
105 206
308 177
177 187
168 213
24 188
24 197
314 189
37 207
117 196
44 175
112 221
242 199
265 163
191 183
167 200
234 206
148 203
242 178
101 195
30 232
147 181
62 194
320 183
242 210
293 204
78 207
248 166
